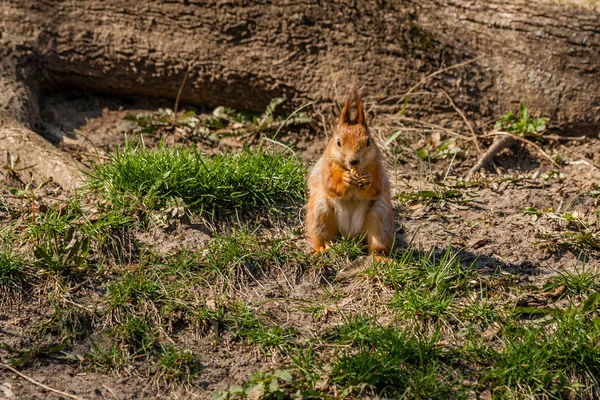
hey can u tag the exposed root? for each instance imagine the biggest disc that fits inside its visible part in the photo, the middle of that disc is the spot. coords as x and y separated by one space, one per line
507 140
490 153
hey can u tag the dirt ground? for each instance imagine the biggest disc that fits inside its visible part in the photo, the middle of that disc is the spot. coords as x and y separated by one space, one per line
487 222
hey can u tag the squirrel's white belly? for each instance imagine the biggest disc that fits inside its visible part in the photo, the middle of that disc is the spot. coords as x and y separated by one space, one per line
351 215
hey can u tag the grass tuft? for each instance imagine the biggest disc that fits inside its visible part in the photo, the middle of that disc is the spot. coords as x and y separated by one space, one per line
216 183
390 362
547 362
11 268
578 281
177 365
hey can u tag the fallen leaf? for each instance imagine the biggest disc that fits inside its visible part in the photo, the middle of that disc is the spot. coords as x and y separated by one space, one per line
6 389
211 305
557 292
487 395
322 383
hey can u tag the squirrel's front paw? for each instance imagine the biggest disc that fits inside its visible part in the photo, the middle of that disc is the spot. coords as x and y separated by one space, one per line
350 178
362 181
365 180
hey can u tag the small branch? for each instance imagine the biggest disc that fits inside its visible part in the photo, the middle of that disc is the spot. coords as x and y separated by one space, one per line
110 391
40 384
187 72
432 126
462 115
439 72
566 138
584 158
181 89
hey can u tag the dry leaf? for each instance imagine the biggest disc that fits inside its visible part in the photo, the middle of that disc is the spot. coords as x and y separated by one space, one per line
6 390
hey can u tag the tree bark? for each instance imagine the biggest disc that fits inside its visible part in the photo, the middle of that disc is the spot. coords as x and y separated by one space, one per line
242 54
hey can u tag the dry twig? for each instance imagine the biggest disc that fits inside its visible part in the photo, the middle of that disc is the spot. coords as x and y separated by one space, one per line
187 72
462 115
110 391
565 138
439 72
433 126
40 384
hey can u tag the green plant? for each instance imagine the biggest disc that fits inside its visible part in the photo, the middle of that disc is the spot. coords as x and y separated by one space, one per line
132 290
522 125
245 252
391 362
261 385
137 334
69 321
177 365
64 254
224 121
243 324
165 121
577 233
11 268
24 357
265 122
439 194
433 152
480 308
578 281
551 363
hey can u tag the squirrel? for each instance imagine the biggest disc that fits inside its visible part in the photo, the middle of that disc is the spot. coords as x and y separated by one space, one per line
349 190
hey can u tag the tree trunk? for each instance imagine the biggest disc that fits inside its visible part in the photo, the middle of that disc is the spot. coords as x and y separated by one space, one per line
242 54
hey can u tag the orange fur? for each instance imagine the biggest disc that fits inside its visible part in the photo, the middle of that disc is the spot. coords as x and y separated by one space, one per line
349 188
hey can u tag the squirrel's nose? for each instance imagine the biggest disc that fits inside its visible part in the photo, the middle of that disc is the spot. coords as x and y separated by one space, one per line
354 162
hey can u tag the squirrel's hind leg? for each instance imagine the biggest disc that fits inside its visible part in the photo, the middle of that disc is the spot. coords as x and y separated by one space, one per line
321 222
379 225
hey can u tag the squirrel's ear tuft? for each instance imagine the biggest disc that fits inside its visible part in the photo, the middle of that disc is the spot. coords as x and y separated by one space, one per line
345 117
360 116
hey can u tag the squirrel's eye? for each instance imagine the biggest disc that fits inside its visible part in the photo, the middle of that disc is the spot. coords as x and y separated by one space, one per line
368 142
339 143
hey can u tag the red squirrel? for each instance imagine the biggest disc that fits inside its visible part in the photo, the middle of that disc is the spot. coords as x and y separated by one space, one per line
349 191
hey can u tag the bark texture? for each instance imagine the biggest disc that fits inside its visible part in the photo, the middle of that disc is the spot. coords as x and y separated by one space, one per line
242 54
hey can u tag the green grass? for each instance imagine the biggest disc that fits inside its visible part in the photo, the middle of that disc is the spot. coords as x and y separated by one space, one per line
214 183
432 345
67 238
245 252
264 385
69 321
479 309
390 362
579 281
421 325
142 305
425 284
12 275
435 152
223 122
522 125
140 308
552 361
177 365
